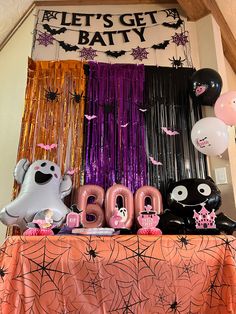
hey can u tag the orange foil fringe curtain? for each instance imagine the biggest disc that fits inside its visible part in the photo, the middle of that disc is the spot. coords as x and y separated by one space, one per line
57 119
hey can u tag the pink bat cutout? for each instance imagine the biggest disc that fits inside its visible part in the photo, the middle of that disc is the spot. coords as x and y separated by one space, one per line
46 146
155 162
200 89
124 125
90 117
71 171
169 132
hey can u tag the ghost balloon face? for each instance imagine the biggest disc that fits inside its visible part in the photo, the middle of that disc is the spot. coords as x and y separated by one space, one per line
186 195
42 187
123 213
42 174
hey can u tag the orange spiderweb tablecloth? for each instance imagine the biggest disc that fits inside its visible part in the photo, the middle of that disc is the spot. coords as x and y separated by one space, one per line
120 274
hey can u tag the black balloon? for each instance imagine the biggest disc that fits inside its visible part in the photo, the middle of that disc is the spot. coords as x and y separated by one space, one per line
205 86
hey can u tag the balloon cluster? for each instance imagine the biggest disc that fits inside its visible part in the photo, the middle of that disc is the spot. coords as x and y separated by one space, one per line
210 135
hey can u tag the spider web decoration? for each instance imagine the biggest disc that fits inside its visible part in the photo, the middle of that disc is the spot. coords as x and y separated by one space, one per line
170 303
6 299
188 268
49 15
180 39
139 53
134 256
124 274
172 13
88 53
216 289
127 299
173 246
94 285
45 39
39 271
219 248
220 280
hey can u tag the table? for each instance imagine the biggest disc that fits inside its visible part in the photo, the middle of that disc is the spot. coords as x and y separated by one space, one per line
119 274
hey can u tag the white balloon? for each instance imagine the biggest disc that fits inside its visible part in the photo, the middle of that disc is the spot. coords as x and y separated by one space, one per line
42 188
210 136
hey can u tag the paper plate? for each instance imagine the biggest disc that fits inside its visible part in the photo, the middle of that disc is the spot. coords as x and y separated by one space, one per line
93 231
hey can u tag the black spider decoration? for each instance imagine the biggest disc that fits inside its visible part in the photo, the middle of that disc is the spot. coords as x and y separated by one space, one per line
183 240
76 97
2 272
51 95
92 253
177 63
174 306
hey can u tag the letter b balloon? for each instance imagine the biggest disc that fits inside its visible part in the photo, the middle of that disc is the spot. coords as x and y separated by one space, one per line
210 136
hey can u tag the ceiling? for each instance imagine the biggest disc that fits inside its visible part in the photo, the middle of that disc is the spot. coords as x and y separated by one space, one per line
13 13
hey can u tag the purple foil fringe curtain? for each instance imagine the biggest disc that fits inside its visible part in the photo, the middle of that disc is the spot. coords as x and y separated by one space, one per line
115 149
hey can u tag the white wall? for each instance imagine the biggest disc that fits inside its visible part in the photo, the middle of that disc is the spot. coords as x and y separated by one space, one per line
13 71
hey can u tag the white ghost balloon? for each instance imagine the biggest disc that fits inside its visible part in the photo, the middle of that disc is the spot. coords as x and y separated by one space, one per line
42 187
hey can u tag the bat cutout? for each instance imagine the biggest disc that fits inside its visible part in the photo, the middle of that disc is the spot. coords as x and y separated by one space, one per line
162 45
71 171
46 146
88 117
173 25
67 47
124 125
54 31
201 89
169 132
143 110
115 54
155 162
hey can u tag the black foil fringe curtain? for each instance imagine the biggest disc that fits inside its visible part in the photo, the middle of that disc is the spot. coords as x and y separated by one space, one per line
168 105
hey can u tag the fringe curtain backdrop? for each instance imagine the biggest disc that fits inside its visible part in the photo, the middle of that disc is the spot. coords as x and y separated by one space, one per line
166 98
54 115
115 130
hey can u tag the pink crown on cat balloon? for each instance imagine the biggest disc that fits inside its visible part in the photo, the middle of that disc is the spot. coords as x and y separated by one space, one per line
204 219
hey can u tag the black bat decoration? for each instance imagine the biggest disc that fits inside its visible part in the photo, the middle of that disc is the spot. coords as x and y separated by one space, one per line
115 54
53 31
162 45
173 25
67 47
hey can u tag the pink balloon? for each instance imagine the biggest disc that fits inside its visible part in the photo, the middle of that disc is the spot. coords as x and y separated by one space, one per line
225 108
